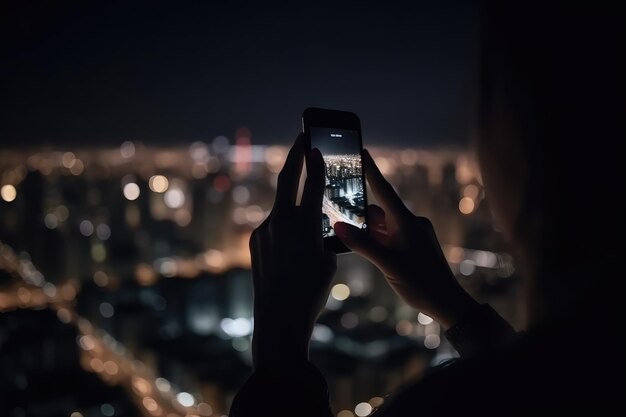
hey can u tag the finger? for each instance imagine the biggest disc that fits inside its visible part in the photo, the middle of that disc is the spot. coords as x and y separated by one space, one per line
426 226
376 217
259 247
289 177
376 223
265 223
314 185
256 256
380 236
381 188
361 242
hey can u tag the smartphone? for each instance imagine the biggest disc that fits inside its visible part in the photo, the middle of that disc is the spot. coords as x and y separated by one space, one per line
337 134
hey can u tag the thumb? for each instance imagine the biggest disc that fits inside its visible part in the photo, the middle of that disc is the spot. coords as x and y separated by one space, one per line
361 242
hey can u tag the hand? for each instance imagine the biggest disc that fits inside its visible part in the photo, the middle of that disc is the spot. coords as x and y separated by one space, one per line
405 248
291 271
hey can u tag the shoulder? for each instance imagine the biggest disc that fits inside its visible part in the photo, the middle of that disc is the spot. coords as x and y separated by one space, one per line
537 372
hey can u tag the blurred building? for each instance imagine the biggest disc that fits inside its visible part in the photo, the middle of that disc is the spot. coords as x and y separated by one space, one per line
153 242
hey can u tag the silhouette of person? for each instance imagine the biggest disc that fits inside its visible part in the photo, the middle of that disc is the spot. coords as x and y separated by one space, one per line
548 88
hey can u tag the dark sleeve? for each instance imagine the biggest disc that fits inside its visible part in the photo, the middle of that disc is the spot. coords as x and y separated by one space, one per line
296 390
480 329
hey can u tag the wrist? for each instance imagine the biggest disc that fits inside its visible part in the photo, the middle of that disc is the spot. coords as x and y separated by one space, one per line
458 306
478 330
274 347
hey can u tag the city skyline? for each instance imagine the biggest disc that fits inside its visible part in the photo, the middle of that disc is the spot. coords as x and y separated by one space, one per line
166 232
344 198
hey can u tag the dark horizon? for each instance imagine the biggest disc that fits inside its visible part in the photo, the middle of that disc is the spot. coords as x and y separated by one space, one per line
99 74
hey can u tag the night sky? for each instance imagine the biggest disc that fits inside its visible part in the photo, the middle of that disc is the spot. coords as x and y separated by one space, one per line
98 73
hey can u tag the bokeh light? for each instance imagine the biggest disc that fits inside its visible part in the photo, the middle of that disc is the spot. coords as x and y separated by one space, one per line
376 402
424 319
51 221
103 231
340 292
127 150
158 183
131 191
185 399
86 228
404 327
466 205
107 410
363 409
106 310
8 193
432 341
467 267
174 198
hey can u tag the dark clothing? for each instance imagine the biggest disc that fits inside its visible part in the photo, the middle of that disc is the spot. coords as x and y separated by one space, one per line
546 370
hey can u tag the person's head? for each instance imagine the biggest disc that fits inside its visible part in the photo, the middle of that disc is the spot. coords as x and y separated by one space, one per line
545 97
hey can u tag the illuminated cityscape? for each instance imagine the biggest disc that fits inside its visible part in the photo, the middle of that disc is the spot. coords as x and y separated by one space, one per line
344 195
141 147
125 283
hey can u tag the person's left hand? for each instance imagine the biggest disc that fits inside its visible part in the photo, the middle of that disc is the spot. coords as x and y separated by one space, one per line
291 271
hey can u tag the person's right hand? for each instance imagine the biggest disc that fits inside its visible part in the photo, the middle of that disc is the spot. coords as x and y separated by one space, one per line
405 248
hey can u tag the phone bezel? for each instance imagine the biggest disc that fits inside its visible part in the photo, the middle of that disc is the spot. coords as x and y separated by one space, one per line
334 119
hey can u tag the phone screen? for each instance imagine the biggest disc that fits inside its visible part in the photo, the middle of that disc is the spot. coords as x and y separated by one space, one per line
344 193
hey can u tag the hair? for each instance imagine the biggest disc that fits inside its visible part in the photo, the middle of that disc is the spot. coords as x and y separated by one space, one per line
558 68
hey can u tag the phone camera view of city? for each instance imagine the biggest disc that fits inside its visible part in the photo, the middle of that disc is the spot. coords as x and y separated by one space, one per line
344 200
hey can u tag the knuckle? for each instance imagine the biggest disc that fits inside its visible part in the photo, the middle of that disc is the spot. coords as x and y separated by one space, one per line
278 214
257 234
423 222
253 238
282 176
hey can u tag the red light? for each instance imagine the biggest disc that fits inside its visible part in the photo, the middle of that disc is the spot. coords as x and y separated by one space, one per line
221 183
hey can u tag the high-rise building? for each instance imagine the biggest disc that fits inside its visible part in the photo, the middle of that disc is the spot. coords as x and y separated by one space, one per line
353 185
325 222
333 190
